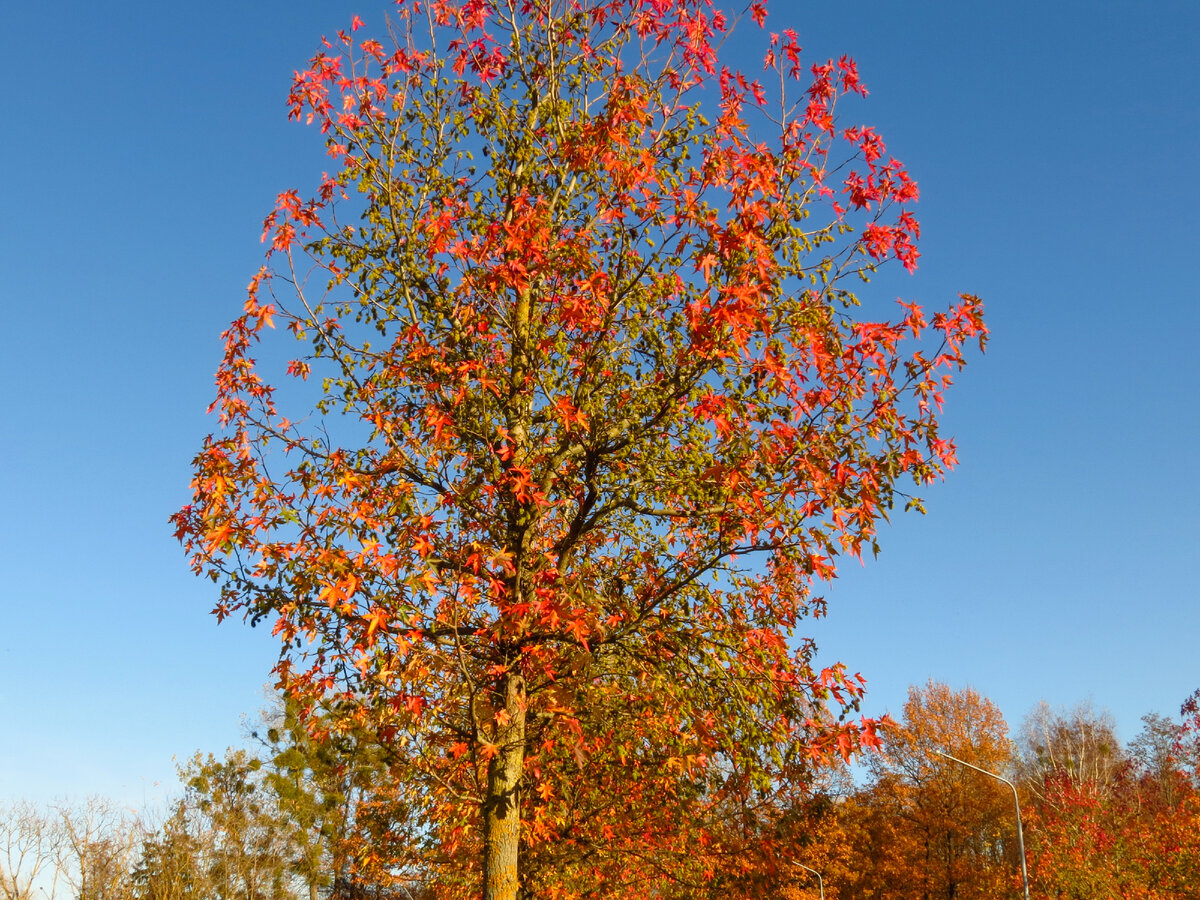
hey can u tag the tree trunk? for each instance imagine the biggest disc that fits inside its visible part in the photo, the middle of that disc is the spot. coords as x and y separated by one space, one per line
502 805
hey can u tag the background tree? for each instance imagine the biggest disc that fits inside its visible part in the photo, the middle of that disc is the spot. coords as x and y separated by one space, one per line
937 829
248 854
1187 743
223 838
173 861
31 851
336 801
1113 843
1079 744
1158 765
817 833
101 842
593 413
1106 831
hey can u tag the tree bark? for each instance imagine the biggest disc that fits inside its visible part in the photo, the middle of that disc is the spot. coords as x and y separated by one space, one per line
502 805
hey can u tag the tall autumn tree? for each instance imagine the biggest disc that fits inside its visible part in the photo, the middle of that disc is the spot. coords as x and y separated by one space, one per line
932 828
581 409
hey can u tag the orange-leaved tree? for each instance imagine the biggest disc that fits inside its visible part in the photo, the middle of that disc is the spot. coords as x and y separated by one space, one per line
930 826
580 411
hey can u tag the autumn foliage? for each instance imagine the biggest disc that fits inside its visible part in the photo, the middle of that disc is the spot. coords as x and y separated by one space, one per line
1132 834
933 827
1102 821
578 410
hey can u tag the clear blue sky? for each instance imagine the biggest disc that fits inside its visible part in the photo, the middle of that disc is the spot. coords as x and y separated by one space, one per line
1055 144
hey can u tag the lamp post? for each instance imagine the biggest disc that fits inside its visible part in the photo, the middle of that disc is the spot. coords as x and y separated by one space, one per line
820 880
1016 801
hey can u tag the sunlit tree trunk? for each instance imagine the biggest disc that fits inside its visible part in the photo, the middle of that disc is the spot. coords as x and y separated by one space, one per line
502 805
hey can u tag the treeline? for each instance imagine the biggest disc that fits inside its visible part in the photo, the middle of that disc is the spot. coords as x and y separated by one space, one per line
288 819
1102 819
298 818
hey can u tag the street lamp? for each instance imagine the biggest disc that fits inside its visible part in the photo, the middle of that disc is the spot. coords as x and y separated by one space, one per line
1020 830
820 880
